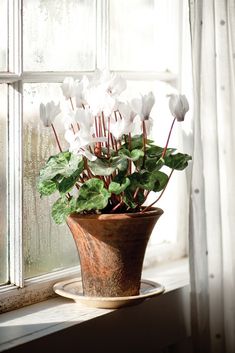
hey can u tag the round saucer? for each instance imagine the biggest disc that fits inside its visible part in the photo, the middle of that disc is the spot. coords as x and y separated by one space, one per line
73 289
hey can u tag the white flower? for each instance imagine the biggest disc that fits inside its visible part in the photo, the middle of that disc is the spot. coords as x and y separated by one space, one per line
68 118
179 106
48 112
126 111
80 89
115 84
85 118
124 123
68 87
79 143
143 105
100 101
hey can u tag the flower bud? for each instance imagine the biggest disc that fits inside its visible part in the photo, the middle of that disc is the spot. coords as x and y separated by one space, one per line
68 87
179 106
48 112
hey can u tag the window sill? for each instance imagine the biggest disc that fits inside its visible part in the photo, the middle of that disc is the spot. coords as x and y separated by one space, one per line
60 320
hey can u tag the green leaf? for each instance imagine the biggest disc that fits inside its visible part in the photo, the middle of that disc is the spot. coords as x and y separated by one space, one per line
67 184
101 167
64 163
135 181
136 154
117 188
46 187
178 161
109 151
133 155
136 142
155 181
75 164
62 208
105 167
162 180
92 196
124 152
156 151
154 164
122 163
152 181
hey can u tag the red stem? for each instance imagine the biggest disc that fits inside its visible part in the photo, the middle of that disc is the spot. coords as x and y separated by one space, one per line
136 192
112 142
71 103
117 206
129 147
56 137
96 127
144 141
168 138
103 123
108 147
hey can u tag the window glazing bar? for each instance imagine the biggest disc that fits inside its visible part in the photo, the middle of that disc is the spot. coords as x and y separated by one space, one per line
15 164
15 36
15 180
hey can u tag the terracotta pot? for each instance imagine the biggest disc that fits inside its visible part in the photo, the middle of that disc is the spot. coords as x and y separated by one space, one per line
111 249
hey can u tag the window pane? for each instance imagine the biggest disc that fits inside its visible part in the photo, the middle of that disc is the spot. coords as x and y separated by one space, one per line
59 35
3 186
3 31
47 246
144 35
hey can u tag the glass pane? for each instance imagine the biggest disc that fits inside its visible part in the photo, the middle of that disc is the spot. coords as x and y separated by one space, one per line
47 246
3 186
3 31
59 35
144 35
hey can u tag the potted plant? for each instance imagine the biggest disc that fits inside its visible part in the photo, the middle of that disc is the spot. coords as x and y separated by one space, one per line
105 176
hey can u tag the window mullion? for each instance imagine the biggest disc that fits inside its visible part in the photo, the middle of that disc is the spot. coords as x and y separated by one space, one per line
15 142
102 34
15 183
15 36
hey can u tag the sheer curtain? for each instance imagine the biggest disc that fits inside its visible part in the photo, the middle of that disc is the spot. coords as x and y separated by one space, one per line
212 216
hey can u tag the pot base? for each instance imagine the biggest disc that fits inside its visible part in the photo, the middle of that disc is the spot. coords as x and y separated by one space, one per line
73 289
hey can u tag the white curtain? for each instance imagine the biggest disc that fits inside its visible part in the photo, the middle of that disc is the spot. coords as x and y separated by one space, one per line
212 214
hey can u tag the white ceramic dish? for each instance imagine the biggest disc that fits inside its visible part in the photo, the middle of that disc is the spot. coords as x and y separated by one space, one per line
73 289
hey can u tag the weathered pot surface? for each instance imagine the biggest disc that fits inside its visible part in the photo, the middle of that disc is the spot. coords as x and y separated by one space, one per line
111 249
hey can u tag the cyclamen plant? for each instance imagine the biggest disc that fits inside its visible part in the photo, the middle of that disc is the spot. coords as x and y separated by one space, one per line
111 165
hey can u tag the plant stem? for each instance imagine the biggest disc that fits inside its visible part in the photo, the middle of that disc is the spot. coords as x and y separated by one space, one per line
115 114
103 123
96 127
71 103
136 192
146 194
117 206
56 137
90 175
129 147
153 203
144 141
72 109
168 138
108 143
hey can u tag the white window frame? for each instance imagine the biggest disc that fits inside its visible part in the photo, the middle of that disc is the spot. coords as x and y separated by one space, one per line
21 292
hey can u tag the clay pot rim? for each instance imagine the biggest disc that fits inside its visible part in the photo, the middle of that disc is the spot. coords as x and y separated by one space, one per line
154 211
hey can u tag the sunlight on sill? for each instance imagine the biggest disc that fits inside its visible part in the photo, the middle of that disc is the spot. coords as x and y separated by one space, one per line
38 320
